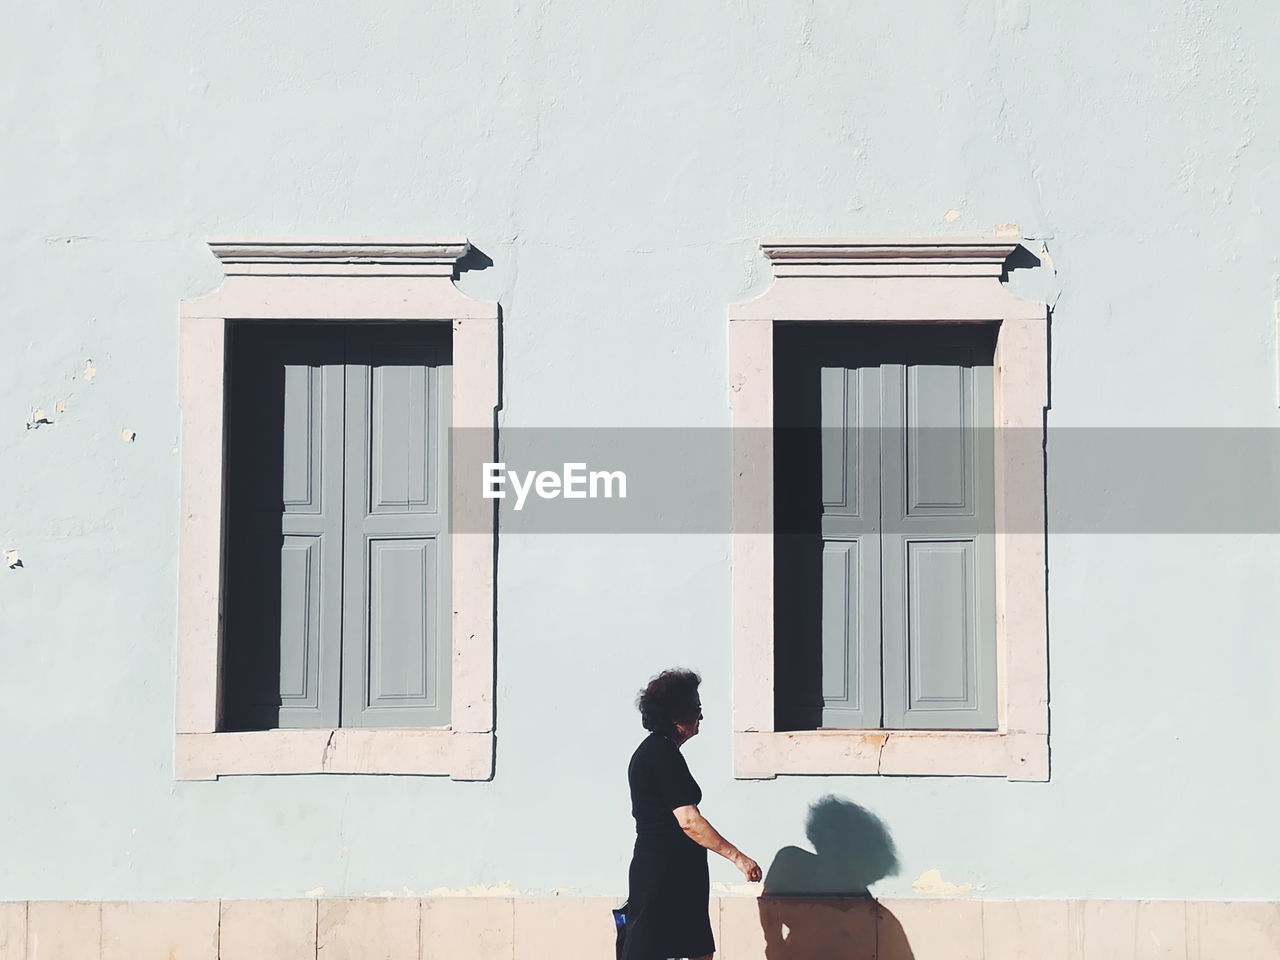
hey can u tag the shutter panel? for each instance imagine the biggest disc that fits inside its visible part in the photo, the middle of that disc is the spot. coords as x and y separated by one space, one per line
285 559
397 609
937 538
850 398
311 548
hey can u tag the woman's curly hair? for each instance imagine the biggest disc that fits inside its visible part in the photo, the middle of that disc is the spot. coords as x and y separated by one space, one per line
670 697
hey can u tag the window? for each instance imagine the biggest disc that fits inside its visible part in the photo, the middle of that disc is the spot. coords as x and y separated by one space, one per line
337 605
335 608
885 607
888 511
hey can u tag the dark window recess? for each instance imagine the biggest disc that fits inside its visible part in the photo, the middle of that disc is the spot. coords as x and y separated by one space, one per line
336 565
884 535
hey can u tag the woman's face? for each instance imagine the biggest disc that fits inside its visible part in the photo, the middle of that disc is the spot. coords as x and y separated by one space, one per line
689 728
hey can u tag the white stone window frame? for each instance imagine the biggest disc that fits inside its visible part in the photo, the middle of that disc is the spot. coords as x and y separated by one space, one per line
348 282
915 281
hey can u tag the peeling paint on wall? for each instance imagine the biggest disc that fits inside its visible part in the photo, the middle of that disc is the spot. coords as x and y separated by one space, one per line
127 435
12 560
930 882
89 372
738 889
38 419
1007 230
951 216
503 889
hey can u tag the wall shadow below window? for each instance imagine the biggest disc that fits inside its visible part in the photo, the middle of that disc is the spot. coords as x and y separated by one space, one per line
818 905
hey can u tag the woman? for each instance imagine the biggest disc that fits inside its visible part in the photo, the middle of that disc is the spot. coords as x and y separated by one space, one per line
669 888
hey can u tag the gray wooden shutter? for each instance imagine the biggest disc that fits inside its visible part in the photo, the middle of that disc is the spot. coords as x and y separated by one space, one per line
850 399
937 539
311 545
285 537
397 608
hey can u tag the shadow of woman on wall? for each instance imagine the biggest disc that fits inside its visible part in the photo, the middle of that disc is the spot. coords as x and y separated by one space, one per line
818 906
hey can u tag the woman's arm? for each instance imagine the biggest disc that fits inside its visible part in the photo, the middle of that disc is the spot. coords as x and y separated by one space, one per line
701 832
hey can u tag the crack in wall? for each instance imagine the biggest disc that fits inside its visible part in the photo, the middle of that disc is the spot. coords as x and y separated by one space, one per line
326 755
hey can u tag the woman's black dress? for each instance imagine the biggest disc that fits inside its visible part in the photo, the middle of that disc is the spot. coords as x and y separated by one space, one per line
669 890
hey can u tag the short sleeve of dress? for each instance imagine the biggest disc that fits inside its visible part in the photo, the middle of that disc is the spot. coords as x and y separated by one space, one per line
676 786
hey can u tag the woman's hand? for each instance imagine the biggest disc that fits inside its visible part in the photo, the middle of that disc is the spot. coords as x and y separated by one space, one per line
750 869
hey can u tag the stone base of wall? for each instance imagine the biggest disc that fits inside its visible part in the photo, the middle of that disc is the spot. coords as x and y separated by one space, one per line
573 928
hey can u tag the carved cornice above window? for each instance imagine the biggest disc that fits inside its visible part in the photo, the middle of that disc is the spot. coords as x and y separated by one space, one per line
288 258
865 280
340 280
931 257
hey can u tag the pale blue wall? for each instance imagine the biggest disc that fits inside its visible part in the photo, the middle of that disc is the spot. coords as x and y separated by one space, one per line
618 162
